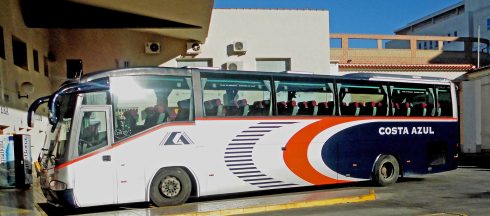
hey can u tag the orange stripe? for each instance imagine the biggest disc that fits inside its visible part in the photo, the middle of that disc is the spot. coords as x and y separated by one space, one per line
214 118
63 165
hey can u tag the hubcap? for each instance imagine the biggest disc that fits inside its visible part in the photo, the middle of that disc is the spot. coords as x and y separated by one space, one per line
170 186
387 170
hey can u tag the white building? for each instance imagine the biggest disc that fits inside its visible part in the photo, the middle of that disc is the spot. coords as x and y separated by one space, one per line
273 40
464 19
460 20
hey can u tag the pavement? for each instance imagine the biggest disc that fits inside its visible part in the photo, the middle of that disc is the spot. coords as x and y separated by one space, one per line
31 202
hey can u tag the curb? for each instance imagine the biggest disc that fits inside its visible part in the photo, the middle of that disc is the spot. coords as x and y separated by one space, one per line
295 205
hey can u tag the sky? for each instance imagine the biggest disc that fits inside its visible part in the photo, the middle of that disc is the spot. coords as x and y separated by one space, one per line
355 16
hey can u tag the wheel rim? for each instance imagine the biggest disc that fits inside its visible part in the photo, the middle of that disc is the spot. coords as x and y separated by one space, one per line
387 170
170 186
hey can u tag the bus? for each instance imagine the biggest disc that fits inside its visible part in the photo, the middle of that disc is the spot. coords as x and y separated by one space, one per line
162 135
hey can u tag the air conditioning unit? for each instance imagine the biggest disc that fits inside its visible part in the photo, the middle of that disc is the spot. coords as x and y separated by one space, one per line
193 48
152 47
234 65
239 47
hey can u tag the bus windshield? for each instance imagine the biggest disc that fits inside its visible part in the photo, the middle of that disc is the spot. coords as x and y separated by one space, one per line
59 138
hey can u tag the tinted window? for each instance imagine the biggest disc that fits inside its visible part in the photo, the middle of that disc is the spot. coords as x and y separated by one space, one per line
141 102
93 134
230 96
363 99
444 102
304 97
412 100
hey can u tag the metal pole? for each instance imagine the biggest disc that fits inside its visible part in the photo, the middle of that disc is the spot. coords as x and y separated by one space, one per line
478 51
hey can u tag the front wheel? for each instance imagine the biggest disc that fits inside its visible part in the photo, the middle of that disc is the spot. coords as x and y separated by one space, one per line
170 186
386 170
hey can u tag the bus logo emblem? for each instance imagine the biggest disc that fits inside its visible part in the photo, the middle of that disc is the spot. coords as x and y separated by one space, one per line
176 138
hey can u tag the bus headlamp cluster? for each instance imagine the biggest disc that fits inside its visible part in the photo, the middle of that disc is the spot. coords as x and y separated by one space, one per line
57 185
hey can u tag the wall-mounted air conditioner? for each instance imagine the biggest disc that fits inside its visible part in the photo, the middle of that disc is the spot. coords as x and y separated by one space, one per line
239 47
234 65
152 47
193 48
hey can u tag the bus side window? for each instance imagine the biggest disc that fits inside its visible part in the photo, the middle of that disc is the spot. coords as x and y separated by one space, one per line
93 133
233 97
361 99
143 102
304 97
413 100
444 103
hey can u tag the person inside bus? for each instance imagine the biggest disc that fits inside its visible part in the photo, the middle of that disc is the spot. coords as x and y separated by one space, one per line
155 115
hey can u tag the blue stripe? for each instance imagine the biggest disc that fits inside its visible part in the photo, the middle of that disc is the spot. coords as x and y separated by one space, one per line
238 156
245 139
241 144
244 160
242 152
244 164
243 168
251 135
277 122
259 179
239 148
246 172
270 182
248 176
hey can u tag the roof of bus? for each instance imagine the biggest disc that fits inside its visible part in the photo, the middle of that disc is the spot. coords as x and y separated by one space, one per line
188 72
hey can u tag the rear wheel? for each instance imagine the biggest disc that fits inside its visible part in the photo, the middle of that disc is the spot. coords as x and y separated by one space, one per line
170 186
386 170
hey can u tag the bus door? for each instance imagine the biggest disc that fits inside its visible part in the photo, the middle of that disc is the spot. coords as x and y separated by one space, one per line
94 175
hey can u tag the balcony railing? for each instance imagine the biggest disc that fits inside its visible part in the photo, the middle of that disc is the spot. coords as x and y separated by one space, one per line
407 49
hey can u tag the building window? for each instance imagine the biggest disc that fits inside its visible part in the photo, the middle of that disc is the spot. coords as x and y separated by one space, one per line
19 49
273 64
2 44
46 66
194 62
455 33
35 56
488 24
74 68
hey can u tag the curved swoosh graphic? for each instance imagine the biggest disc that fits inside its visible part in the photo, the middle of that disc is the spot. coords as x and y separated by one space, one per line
296 154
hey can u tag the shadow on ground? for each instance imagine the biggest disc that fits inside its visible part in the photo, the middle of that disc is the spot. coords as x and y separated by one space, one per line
480 161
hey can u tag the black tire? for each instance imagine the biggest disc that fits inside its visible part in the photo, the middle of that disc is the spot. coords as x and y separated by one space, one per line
170 186
386 170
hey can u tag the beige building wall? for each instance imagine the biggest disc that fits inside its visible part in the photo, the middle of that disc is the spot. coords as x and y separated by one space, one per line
13 118
299 35
105 49
99 49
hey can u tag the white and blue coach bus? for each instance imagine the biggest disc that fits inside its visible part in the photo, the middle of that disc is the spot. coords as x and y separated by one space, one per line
162 135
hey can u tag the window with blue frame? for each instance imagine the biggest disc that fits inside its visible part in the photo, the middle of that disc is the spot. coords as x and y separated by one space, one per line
488 24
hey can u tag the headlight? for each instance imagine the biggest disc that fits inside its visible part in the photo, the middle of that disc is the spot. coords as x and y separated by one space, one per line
57 185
